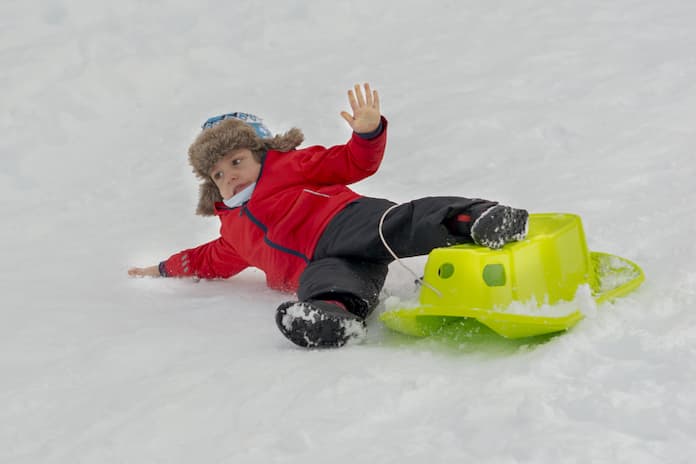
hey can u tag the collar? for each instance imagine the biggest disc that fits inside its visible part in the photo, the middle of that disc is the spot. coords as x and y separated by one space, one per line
240 198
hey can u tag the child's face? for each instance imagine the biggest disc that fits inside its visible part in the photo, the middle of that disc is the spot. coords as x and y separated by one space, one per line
235 171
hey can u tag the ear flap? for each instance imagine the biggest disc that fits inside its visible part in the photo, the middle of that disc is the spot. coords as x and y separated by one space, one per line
208 196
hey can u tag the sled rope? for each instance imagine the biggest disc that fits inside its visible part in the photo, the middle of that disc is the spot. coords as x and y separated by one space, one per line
419 279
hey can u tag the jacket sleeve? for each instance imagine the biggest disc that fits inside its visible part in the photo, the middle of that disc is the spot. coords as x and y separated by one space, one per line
216 259
344 164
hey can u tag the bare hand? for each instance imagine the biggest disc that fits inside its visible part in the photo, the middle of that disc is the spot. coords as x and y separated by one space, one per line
366 114
152 271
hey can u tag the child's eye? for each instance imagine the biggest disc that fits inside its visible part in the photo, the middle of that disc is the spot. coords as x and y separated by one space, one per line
217 175
236 162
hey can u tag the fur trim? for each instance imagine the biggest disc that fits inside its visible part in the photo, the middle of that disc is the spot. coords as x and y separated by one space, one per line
208 196
213 144
286 142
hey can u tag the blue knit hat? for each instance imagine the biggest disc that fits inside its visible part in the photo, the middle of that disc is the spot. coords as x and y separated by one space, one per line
254 121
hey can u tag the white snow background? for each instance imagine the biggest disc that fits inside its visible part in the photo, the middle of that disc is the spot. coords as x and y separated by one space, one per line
555 106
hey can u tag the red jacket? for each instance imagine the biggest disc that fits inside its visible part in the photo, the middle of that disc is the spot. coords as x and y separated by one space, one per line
296 196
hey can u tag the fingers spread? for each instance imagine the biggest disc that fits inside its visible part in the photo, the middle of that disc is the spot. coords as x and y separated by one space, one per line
352 101
368 95
359 95
349 119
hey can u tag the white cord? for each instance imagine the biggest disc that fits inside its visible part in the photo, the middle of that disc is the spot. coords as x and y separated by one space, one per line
397 259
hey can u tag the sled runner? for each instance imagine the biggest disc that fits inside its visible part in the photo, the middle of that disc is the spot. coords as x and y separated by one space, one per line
525 289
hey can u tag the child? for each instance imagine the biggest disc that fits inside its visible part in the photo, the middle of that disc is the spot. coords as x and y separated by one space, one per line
288 212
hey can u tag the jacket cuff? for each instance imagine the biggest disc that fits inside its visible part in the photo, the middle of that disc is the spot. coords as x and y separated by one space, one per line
375 133
163 269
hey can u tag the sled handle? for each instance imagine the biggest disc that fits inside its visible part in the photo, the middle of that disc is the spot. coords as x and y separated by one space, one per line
598 260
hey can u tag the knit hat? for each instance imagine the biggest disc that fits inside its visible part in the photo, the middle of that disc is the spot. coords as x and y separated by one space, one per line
223 134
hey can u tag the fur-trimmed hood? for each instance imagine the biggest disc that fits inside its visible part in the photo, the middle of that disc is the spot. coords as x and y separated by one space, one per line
231 134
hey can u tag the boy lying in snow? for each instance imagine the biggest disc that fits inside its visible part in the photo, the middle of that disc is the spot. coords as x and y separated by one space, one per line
289 212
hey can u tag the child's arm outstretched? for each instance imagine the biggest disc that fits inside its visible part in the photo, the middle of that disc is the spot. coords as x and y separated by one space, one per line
361 156
215 259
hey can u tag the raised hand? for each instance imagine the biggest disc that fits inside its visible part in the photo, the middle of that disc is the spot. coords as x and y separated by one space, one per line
366 114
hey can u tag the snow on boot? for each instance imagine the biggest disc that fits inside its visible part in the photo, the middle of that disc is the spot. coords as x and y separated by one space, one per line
317 323
499 225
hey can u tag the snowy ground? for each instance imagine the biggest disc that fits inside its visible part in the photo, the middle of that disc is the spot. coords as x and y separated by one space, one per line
584 107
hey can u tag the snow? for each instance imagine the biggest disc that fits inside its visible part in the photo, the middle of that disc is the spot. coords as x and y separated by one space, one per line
582 107
582 302
299 311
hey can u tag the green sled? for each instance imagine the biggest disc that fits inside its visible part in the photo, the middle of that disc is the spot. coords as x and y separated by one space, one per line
546 270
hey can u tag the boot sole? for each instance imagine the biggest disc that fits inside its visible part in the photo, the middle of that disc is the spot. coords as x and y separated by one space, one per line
310 327
500 225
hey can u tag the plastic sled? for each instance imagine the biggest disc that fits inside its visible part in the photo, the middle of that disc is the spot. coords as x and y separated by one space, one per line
546 269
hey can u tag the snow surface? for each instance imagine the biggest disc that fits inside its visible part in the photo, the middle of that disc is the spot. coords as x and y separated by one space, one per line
583 107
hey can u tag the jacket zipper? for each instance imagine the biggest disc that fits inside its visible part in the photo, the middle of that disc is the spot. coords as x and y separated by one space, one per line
269 242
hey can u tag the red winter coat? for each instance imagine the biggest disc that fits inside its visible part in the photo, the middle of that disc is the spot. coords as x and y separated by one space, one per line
296 196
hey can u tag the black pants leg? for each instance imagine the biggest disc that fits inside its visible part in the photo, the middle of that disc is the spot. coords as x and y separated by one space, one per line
350 261
354 282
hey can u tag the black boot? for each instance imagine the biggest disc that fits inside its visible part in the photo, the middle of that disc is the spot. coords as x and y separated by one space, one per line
499 225
317 323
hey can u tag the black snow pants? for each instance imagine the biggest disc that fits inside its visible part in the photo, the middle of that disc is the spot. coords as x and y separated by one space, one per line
350 261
